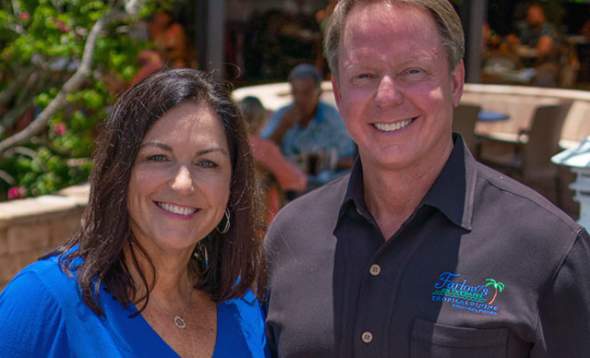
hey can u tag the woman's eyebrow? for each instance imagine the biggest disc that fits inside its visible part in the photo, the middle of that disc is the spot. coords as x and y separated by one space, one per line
156 144
169 149
212 149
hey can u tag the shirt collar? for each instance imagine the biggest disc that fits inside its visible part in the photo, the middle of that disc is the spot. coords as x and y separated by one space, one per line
452 192
354 195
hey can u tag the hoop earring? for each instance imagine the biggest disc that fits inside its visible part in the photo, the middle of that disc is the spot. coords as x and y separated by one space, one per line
227 224
202 254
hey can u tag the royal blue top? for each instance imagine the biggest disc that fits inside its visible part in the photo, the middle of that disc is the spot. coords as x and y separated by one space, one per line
43 315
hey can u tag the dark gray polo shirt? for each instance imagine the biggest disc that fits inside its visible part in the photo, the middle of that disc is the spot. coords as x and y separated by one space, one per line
484 267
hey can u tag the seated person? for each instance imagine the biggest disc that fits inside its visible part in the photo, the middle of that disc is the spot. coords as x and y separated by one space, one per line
278 172
170 40
309 128
536 44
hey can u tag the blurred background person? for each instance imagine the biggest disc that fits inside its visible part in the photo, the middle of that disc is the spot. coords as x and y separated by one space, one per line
536 44
168 251
277 176
170 40
310 131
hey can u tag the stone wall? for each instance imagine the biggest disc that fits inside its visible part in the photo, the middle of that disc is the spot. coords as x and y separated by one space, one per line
30 228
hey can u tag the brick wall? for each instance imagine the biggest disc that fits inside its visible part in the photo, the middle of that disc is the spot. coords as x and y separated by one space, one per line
30 228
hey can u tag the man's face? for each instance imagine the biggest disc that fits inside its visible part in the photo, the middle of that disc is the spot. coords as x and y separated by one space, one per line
306 95
393 87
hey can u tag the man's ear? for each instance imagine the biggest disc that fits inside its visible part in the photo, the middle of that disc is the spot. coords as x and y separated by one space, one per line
457 81
336 90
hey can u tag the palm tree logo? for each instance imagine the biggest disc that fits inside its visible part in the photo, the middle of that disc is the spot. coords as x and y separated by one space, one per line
497 285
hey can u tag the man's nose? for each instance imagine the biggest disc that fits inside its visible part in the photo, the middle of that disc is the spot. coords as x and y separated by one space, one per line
183 180
388 93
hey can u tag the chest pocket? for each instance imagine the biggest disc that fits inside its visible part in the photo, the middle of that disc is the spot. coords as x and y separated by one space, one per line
431 340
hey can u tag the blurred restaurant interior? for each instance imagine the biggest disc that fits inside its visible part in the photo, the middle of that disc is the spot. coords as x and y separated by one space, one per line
257 41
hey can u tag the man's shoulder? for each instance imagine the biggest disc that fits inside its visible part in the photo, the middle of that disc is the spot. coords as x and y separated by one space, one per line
319 207
548 30
280 112
520 205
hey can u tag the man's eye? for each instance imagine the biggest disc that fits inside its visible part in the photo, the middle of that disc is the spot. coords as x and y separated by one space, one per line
414 72
157 158
364 76
206 163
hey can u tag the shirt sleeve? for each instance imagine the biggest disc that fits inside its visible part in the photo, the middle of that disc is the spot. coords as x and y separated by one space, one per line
31 323
564 316
273 123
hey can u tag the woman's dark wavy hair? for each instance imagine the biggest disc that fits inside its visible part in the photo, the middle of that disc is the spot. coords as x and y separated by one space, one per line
96 253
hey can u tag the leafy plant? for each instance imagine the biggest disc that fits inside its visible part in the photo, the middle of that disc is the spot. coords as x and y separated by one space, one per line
61 64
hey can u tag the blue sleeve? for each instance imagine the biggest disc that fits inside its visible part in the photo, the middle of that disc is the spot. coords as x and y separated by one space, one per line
273 122
344 144
31 323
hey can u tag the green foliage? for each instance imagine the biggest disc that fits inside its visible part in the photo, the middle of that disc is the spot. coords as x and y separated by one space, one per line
47 38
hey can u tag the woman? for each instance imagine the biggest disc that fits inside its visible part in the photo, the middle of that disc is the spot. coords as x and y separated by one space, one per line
275 171
168 249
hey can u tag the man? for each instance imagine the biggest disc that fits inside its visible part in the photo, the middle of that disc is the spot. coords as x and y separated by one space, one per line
309 126
536 44
420 251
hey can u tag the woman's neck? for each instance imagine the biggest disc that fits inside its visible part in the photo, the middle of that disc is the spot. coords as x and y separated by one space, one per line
171 278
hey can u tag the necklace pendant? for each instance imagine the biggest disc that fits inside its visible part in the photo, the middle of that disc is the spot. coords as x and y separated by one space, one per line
179 322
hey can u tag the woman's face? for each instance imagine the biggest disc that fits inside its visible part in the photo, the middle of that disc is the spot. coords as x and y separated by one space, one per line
180 181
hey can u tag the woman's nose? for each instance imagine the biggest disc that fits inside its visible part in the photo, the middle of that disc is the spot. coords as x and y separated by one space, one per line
183 181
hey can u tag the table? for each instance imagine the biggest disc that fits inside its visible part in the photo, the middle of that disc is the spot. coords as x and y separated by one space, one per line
492 116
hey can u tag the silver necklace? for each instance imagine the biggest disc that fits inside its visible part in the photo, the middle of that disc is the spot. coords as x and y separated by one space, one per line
178 319
179 322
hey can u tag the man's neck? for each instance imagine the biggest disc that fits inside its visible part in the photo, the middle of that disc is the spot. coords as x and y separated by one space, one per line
306 120
393 195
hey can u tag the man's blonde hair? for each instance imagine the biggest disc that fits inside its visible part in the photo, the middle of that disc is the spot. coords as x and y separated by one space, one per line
447 22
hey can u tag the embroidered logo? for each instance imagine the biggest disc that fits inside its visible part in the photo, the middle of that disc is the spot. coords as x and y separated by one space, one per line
455 289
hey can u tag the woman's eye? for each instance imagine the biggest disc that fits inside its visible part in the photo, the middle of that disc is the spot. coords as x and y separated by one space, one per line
157 158
206 163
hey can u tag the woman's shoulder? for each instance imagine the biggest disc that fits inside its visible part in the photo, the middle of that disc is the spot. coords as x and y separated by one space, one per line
246 300
241 318
247 306
31 305
42 288
43 276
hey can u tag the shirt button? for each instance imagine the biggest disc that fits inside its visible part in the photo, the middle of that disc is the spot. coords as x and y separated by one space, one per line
367 337
375 270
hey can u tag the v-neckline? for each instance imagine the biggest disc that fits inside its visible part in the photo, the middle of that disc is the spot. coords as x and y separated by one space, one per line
151 331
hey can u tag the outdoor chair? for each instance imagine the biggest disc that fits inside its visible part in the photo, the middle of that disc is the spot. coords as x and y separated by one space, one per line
530 160
464 121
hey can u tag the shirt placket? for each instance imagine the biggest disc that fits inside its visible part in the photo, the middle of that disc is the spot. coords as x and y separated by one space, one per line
378 293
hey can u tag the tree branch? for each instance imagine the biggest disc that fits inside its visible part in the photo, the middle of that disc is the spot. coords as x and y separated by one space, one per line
73 84
132 8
